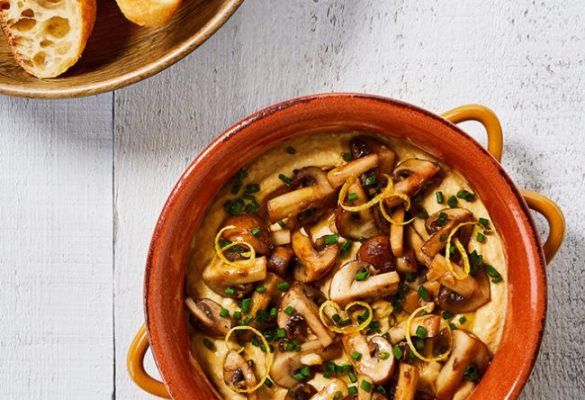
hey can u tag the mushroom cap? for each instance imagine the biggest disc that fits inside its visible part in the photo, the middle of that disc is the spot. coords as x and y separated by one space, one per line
410 176
344 288
301 391
279 259
244 225
459 304
313 264
362 146
441 224
219 276
376 251
238 374
377 369
206 311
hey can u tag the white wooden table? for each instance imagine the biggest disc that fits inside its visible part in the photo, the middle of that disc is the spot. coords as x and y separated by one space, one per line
83 180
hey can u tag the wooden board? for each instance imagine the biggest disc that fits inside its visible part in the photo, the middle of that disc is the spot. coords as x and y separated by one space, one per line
60 300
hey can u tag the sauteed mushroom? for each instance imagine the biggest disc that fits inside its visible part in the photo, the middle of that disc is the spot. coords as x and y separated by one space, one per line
331 389
355 225
261 300
431 323
338 176
376 251
219 276
362 146
439 271
313 263
441 224
315 192
305 311
345 288
238 374
207 312
279 259
467 350
407 380
410 177
375 356
287 363
249 228
397 232
301 391
453 302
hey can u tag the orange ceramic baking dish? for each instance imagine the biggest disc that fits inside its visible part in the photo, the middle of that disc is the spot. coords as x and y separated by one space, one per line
166 330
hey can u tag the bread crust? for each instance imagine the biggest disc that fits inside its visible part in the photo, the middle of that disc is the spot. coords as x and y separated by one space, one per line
86 12
149 12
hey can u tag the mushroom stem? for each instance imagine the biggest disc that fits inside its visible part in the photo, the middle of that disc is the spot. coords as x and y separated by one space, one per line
432 324
438 271
219 276
338 176
207 312
238 374
314 264
331 389
371 363
407 380
397 232
345 288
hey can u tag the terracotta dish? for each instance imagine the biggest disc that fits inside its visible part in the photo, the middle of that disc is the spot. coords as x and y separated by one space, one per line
119 53
185 209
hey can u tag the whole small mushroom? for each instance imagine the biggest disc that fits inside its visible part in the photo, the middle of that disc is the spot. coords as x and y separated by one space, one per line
376 251
410 176
251 229
345 287
313 263
375 356
238 374
207 313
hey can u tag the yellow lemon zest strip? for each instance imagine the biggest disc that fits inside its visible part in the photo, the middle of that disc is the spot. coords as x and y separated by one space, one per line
347 329
268 356
411 345
387 192
389 218
251 254
462 251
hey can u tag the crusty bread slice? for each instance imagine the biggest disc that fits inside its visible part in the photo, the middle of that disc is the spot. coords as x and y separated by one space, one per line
47 36
149 12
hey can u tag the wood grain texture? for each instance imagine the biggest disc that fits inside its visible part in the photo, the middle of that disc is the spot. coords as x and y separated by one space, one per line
523 59
56 339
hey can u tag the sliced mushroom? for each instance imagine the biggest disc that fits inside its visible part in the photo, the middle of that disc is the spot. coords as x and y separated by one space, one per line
331 389
344 288
416 243
261 301
407 262
313 264
301 391
365 392
362 146
249 228
397 232
280 259
237 373
219 276
376 251
432 324
438 271
440 225
407 381
410 177
207 311
428 372
376 359
467 349
316 191
287 363
338 176
305 311
281 237
464 390
355 225
455 303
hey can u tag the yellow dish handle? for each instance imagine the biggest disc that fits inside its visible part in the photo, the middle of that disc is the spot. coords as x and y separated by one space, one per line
486 117
537 202
135 365
555 218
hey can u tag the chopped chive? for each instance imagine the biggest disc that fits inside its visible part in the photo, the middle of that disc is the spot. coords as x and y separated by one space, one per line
229 291
466 195
255 341
246 305
236 187
224 313
409 277
362 275
345 248
366 386
237 315
223 242
383 355
381 389
440 198
471 373
462 320
422 213
480 237
330 239
283 286
209 344
290 310
291 150
285 179
337 395
418 198
256 231
352 377
236 207
356 355
397 352
442 219
261 289
493 273
447 315
241 174
452 201
352 390
421 332
352 196
347 156
280 333
453 249
281 223
252 188
370 181
419 343
247 319
443 237
423 293
452 326
268 382
289 347
273 312
484 222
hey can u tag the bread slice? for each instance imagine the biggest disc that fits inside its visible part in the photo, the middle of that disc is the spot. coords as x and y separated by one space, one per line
47 36
149 12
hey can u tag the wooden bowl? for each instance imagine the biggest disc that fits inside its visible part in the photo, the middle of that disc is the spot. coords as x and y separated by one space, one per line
119 53
246 140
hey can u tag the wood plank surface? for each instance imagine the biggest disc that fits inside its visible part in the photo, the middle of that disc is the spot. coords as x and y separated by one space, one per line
56 339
